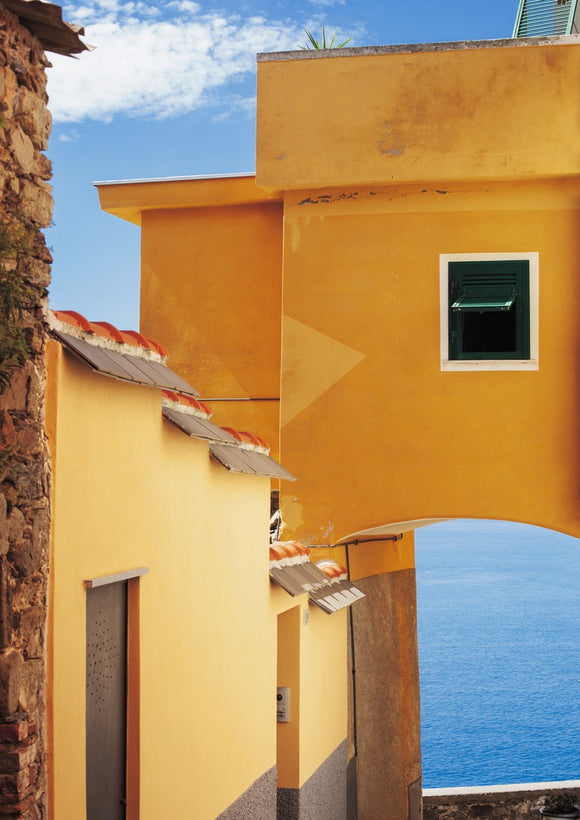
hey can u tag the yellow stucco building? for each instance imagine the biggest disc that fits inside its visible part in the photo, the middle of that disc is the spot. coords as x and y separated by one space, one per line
392 300
167 638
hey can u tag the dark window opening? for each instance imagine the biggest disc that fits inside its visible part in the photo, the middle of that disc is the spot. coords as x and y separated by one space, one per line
493 332
489 310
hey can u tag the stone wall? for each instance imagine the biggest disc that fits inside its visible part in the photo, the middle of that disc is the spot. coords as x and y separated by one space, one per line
385 694
25 208
491 803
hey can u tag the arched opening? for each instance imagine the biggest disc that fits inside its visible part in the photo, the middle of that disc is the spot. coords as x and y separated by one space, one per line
498 620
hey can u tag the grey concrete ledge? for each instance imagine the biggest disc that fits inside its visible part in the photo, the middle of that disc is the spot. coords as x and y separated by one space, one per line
410 48
506 788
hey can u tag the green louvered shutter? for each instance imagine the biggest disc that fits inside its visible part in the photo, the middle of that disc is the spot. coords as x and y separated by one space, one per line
541 18
489 310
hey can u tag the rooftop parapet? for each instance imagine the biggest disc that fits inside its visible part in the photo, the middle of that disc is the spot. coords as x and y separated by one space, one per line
499 109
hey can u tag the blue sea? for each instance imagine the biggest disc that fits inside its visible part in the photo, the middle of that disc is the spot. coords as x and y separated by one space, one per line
499 653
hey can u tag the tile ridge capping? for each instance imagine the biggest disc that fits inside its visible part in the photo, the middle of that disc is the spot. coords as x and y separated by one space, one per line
332 569
287 554
185 404
248 441
106 335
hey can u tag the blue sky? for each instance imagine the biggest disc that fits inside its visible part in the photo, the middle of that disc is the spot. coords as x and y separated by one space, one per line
170 91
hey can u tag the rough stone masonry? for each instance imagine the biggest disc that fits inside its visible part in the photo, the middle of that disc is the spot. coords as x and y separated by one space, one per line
25 208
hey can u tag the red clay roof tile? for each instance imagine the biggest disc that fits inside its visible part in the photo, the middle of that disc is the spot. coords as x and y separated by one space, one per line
73 318
188 401
331 568
125 355
244 437
108 331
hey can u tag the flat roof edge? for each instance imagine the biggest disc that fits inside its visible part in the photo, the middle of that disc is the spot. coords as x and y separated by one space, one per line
200 177
410 48
130 198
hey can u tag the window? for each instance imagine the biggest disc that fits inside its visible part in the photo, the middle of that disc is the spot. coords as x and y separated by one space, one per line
489 311
537 18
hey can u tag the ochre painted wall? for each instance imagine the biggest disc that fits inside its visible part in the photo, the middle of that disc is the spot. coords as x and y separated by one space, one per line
131 490
312 651
426 113
211 258
323 707
384 435
288 733
442 150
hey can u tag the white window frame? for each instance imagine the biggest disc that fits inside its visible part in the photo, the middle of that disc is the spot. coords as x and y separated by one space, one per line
447 364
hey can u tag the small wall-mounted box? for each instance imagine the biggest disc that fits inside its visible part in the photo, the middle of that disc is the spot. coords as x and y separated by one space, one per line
283 704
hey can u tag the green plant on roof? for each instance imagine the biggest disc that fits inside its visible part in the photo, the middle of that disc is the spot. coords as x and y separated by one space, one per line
15 295
322 43
560 804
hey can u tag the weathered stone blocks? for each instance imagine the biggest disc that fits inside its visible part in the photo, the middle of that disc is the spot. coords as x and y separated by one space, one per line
26 206
11 664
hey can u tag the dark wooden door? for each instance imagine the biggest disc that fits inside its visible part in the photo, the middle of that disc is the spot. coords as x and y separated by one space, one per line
106 723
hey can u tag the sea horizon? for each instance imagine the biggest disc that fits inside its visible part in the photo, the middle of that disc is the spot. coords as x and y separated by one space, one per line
499 659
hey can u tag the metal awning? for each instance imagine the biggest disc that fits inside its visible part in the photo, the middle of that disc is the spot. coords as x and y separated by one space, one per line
197 426
291 568
252 462
125 366
336 595
471 302
299 577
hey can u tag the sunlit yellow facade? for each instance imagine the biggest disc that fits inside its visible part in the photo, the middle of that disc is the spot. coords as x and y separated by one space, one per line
131 491
376 171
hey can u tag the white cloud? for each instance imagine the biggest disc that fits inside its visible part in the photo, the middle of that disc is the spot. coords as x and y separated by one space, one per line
244 105
327 2
71 136
156 60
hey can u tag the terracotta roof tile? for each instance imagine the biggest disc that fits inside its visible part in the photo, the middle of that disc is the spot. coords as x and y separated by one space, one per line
248 440
332 568
121 354
197 407
108 331
326 582
239 452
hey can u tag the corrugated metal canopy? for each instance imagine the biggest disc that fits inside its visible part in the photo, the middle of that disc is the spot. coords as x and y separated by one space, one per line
251 462
125 366
331 596
336 595
299 578
197 426
44 20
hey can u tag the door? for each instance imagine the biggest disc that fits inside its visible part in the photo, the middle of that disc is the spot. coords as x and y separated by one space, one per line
106 700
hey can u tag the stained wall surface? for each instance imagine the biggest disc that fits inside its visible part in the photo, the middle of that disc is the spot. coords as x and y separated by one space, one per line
211 256
431 112
442 153
398 438
464 166
130 491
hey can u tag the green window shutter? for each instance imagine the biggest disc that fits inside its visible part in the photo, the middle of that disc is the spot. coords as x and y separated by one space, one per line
541 18
489 310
